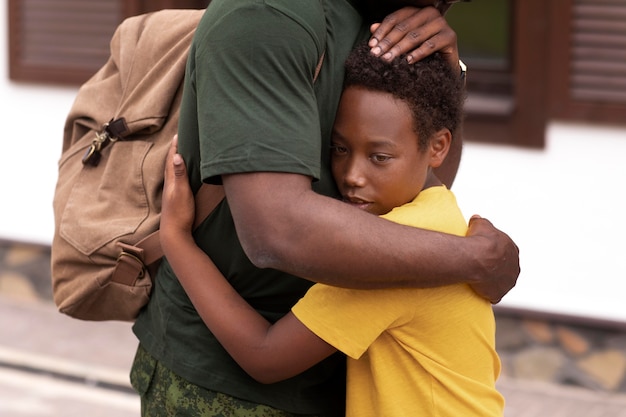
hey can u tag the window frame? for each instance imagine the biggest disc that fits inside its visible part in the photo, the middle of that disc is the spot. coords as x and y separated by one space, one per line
520 117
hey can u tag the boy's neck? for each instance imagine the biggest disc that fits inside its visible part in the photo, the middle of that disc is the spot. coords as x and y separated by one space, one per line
431 180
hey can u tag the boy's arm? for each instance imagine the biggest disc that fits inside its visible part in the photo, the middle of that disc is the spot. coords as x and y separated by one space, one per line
268 353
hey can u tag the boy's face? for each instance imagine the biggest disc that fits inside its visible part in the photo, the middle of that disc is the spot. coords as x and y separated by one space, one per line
376 161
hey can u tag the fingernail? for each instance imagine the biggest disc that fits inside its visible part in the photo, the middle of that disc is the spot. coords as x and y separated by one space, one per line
373 42
388 56
376 51
409 58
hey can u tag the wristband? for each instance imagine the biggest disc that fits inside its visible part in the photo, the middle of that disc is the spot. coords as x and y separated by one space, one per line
463 71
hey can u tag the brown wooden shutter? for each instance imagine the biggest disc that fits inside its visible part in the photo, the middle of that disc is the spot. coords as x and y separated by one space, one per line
60 41
588 64
67 41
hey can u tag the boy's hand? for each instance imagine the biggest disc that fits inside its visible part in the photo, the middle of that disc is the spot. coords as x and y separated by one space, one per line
415 32
178 208
498 259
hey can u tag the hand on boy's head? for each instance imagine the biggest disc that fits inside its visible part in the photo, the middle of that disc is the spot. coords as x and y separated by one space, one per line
415 32
498 258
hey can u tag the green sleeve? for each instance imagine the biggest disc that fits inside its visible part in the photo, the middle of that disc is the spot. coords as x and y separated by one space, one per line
255 100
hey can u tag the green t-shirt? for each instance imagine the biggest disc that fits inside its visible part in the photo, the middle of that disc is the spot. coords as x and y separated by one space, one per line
250 105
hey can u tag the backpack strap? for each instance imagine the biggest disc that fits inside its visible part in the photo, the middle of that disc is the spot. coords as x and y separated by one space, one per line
133 260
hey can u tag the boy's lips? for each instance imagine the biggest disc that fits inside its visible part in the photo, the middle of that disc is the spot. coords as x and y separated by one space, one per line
357 202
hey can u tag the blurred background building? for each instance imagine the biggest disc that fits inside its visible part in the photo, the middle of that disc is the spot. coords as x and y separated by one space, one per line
544 158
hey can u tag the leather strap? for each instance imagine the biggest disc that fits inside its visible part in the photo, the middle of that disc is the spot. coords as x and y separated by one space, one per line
318 68
133 260
130 266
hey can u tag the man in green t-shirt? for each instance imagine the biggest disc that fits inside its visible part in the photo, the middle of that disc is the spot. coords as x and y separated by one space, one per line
255 118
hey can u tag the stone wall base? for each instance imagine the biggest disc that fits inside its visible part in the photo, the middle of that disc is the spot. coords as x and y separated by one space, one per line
531 345
562 350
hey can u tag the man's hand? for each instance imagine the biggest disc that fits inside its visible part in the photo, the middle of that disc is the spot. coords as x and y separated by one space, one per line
415 32
498 259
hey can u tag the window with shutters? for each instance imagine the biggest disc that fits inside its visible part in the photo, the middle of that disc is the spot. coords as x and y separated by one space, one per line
529 60
503 42
66 41
588 64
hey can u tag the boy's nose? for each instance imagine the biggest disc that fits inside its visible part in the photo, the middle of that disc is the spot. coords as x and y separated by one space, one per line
353 175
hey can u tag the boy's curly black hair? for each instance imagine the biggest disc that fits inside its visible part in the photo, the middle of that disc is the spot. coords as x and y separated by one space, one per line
430 87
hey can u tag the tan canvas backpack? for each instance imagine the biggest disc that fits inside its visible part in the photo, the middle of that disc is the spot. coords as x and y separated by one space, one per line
107 201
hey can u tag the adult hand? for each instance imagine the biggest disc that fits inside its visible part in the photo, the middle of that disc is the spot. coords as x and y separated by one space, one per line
498 259
415 32
178 208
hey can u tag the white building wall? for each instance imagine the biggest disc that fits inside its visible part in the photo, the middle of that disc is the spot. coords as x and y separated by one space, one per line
32 117
563 205
565 208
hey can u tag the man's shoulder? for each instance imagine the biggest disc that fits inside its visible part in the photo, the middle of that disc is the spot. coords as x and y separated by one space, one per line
308 13
301 10
254 19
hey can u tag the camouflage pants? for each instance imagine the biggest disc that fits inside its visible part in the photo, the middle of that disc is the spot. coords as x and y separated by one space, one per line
165 394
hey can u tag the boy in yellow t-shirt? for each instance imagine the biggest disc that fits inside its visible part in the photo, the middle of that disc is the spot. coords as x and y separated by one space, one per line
411 352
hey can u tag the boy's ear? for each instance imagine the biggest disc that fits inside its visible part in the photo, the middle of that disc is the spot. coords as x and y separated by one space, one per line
439 147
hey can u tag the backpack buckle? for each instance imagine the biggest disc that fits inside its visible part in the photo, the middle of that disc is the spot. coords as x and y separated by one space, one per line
112 131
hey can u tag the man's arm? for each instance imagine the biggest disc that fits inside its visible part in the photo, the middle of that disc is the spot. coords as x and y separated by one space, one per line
282 223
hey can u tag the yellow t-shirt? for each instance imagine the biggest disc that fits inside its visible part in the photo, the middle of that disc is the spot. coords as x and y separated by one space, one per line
412 352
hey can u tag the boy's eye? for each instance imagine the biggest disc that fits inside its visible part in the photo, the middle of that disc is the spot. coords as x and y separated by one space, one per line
338 149
379 158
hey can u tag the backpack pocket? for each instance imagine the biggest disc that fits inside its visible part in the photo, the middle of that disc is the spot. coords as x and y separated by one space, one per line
108 201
